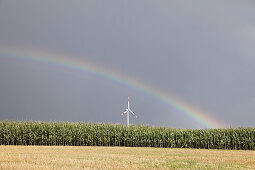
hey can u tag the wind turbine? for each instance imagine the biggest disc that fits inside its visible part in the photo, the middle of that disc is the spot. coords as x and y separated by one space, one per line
127 112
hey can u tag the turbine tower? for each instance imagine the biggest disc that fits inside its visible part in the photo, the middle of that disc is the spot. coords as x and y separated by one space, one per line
127 112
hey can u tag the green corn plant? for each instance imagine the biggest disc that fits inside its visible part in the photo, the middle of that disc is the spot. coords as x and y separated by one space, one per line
89 134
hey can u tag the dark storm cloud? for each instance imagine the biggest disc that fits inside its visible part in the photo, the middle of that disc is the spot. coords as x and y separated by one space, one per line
201 51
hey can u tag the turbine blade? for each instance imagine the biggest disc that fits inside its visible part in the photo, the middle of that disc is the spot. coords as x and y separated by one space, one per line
133 113
124 113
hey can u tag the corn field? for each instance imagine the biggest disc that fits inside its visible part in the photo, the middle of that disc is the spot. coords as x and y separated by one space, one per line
89 134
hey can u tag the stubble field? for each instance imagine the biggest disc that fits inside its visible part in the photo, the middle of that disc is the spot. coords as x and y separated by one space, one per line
85 157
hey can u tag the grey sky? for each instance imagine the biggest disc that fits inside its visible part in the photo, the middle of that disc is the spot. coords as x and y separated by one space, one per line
201 51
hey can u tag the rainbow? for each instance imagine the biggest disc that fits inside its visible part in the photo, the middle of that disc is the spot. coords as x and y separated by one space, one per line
95 69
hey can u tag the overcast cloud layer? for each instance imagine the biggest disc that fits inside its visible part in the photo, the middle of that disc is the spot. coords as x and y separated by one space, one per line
201 51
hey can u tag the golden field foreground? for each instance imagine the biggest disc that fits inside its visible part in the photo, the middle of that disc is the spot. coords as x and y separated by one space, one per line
85 157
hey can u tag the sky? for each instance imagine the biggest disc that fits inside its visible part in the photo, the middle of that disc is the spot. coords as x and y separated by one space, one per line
200 51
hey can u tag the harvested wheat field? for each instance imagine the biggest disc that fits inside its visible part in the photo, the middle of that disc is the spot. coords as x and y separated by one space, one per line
84 157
